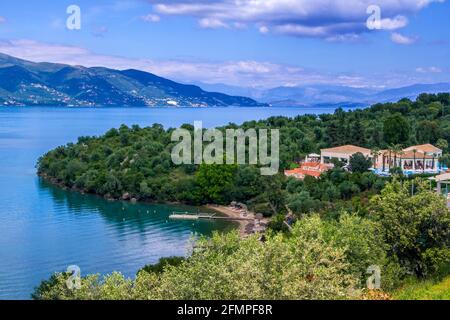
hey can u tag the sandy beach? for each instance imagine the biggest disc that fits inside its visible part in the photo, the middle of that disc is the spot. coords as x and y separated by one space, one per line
246 224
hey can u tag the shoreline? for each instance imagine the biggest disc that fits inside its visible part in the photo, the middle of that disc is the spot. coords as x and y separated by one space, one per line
246 227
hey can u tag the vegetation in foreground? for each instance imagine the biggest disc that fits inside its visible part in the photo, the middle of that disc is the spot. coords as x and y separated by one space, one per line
424 290
319 259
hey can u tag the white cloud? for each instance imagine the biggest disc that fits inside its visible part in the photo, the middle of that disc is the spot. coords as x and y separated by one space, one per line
435 70
212 23
429 70
401 39
264 29
395 23
151 18
350 37
2 20
244 73
303 18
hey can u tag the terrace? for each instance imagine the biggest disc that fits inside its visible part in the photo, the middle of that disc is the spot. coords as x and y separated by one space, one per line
412 160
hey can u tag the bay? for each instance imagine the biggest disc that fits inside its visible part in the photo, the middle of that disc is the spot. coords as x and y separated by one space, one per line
44 229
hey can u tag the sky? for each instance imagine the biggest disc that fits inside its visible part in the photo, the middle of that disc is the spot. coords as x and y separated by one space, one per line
247 43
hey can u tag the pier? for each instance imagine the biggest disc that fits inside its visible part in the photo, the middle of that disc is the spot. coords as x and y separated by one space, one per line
204 216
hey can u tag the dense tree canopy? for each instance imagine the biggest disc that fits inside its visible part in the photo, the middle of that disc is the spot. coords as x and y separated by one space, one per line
136 162
359 163
417 226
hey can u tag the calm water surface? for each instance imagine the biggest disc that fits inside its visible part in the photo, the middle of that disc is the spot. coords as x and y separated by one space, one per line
44 229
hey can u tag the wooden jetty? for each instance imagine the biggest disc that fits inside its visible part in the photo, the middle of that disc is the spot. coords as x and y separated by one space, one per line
204 216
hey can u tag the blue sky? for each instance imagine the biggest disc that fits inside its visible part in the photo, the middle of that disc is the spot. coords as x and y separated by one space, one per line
264 43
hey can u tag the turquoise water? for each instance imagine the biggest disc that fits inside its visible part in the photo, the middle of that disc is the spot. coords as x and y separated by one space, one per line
44 229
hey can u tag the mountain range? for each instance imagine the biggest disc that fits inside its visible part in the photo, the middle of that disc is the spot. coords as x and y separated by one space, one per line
24 83
329 95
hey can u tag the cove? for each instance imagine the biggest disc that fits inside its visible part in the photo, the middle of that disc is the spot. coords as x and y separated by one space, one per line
44 229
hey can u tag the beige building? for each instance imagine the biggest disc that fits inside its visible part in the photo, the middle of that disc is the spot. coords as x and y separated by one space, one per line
342 153
415 159
422 158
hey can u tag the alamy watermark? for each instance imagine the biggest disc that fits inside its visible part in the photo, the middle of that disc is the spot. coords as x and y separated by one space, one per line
74 280
374 280
191 150
73 22
374 20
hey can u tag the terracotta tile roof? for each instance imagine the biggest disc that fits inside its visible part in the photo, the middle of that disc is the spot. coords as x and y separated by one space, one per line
443 177
420 150
424 148
410 155
313 169
300 173
347 149
314 166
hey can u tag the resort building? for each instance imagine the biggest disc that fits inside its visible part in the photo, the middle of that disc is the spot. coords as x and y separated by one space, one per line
415 159
422 158
342 153
313 169
443 181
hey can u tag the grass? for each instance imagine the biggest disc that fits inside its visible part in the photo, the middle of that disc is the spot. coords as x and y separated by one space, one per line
424 290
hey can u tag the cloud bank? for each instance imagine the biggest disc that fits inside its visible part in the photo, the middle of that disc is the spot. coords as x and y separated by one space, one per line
244 73
328 19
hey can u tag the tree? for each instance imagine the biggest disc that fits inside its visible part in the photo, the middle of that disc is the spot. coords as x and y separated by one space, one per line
414 157
307 264
214 182
162 264
396 129
348 189
302 202
358 132
397 151
362 240
359 163
442 144
416 227
375 153
273 193
428 132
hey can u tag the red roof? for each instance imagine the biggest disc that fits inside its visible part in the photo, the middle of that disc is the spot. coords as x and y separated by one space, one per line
313 169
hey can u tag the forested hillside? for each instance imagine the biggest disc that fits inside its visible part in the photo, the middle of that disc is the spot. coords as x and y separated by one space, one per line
345 222
136 163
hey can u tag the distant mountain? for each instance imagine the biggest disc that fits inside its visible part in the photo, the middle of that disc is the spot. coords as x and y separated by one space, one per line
316 95
25 83
411 92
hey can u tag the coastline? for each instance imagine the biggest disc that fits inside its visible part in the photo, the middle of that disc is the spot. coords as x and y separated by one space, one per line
246 225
